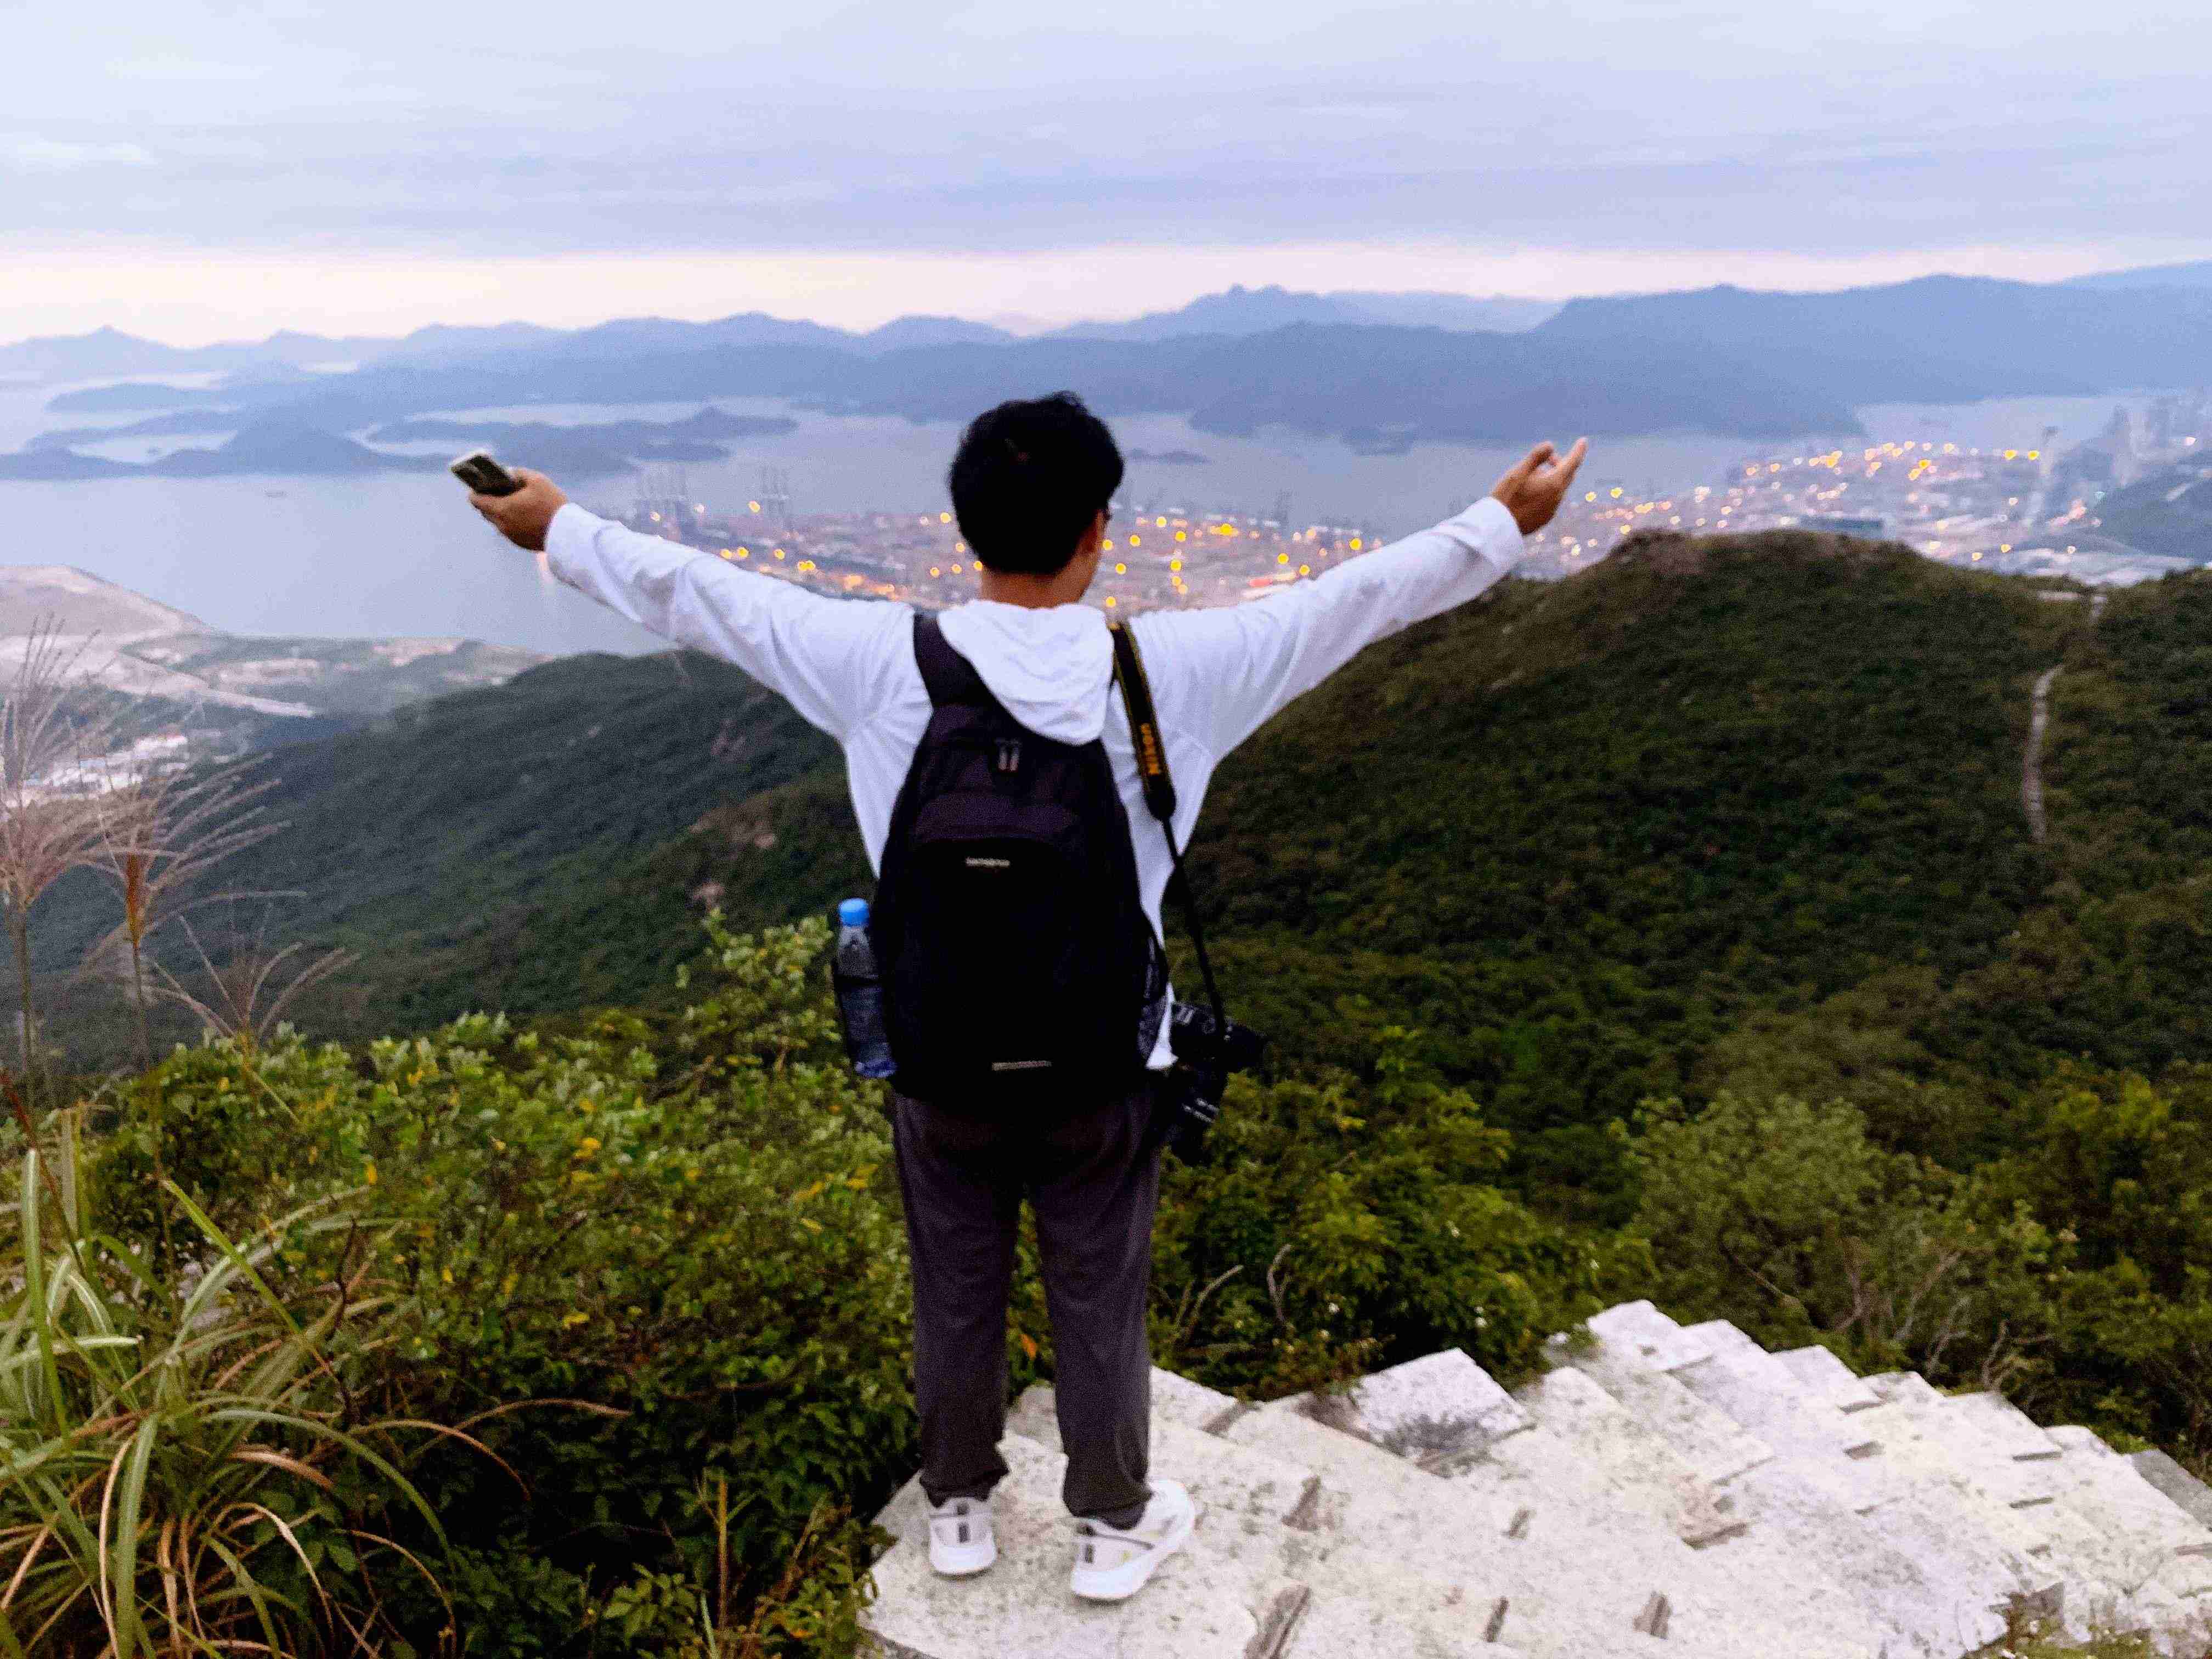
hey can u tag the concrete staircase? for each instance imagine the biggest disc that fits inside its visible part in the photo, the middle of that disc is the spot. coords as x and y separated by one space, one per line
1662 1492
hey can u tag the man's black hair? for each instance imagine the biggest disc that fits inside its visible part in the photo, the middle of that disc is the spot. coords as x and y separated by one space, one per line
1029 479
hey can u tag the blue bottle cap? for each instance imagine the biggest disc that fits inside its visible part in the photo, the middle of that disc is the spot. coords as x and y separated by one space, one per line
853 912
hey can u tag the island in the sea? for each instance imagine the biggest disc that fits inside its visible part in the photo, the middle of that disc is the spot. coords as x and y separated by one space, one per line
277 444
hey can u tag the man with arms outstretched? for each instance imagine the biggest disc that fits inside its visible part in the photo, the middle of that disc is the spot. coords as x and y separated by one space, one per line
1032 487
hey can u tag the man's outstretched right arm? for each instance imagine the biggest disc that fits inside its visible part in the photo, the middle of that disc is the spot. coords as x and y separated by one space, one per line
831 658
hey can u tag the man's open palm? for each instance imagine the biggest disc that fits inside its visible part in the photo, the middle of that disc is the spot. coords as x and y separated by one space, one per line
1533 490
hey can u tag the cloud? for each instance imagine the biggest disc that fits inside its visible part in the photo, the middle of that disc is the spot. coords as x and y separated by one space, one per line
172 68
996 127
61 156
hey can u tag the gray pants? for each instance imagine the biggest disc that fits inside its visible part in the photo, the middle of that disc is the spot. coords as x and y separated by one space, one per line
1093 1180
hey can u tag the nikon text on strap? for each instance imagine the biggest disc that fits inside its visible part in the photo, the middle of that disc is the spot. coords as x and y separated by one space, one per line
1159 789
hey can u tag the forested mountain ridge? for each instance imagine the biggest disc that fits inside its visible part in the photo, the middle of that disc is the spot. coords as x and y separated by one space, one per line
1675 931
1586 837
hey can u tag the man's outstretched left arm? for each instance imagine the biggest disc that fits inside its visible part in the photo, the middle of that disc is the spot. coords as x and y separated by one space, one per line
1221 672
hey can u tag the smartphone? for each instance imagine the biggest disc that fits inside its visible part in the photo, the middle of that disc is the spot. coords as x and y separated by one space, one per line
480 472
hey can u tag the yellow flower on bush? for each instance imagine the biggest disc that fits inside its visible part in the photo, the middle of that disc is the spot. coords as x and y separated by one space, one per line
587 1145
570 1322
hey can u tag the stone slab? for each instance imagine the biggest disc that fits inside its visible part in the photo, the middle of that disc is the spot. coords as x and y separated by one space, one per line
1525 1522
1759 1392
1431 1410
2093 1474
1999 1419
1650 1473
1648 1336
1336 1629
1708 1441
1175 1400
1203 1605
1827 1379
2187 1493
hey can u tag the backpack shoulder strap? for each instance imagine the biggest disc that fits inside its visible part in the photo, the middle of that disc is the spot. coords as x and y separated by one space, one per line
951 679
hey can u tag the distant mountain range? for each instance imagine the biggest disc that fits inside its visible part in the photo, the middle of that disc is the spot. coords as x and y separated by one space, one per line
1380 371
2197 274
1375 386
1938 339
1241 310
107 352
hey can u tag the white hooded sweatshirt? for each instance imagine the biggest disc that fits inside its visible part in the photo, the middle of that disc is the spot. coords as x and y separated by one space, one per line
1217 674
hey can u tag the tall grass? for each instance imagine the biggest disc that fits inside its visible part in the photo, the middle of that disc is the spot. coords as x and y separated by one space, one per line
187 1471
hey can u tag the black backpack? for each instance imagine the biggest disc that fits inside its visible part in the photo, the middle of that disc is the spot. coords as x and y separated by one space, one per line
1018 969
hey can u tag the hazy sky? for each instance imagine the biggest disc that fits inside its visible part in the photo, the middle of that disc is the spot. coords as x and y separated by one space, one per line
192 169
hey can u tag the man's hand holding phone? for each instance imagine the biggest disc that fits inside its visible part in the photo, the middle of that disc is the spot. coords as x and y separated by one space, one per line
523 515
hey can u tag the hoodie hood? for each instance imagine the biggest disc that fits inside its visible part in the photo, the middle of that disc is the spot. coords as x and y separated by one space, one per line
1050 667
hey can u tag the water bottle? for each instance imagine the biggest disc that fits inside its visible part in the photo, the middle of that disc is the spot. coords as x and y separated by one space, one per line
860 992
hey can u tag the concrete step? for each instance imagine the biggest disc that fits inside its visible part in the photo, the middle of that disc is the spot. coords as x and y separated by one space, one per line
1712 1443
1987 1449
1827 1379
1350 1587
1641 1333
2132 1506
1434 1411
1829 1425
1924 1465
1765 1398
2010 1426
1650 1474
1556 1509
1483 1528
2186 1491
1204 1602
1662 1491
1327 1628
2109 1581
1932 1586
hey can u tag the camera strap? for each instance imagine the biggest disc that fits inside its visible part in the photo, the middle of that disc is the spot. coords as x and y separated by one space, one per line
1160 790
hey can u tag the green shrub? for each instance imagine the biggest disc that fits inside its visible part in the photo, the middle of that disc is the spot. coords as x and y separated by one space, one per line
636 1264
1788 1220
1340 1226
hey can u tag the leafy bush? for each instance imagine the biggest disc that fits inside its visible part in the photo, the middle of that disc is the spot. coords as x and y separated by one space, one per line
1338 1227
639 1266
2075 1269
1788 1220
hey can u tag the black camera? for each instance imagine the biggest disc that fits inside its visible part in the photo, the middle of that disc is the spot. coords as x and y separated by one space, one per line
1208 1049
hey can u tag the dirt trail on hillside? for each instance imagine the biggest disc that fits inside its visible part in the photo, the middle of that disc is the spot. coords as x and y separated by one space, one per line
2039 722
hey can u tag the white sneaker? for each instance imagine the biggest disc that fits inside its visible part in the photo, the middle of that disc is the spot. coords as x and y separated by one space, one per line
961 1540
1112 1565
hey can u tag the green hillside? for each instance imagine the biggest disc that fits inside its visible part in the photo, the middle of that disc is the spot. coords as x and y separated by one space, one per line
1576 835
473 848
1675 931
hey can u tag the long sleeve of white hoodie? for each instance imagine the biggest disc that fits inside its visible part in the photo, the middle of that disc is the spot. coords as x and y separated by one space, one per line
1217 675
